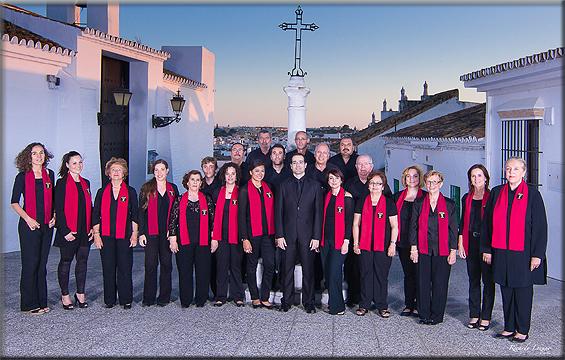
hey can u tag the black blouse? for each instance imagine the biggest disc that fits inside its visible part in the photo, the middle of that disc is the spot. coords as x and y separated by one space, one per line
390 211
132 213
162 212
192 218
329 226
19 190
61 220
433 232
244 214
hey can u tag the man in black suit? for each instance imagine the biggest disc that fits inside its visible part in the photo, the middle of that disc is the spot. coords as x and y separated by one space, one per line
301 139
298 230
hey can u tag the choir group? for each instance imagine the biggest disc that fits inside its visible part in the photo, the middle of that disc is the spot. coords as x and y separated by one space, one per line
335 216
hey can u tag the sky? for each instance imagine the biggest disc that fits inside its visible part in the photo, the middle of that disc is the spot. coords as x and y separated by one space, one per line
360 55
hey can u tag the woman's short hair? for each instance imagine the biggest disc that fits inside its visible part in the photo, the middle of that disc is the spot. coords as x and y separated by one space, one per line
209 159
116 161
187 176
515 158
335 172
256 163
432 173
378 173
418 170
224 168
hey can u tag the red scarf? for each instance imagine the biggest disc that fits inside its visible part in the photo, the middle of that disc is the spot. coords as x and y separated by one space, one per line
400 203
184 235
367 220
152 217
232 216
121 213
29 195
71 203
255 209
467 216
339 216
443 226
517 231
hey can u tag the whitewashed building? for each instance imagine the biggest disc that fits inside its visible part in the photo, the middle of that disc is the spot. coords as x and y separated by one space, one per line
524 117
370 140
450 144
59 78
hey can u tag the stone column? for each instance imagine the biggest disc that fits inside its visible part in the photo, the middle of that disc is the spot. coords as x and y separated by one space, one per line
297 92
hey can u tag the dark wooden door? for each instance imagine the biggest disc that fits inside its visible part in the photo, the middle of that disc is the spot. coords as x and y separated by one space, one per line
114 124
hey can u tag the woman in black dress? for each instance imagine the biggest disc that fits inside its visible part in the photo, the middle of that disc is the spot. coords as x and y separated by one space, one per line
375 232
412 180
115 227
73 205
189 238
469 244
336 232
35 228
514 240
225 237
257 230
433 239
156 199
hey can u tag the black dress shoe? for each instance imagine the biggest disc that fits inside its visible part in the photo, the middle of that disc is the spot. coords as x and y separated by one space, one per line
518 340
127 306
310 309
501 336
425 321
406 312
145 304
239 303
108 306
284 307
184 306
81 305
68 307
162 304
200 305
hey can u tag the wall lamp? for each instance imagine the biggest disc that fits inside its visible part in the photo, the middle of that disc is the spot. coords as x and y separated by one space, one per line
121 98
177 103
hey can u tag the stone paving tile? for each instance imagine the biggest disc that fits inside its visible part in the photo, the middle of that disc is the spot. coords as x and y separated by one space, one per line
307 339
265 339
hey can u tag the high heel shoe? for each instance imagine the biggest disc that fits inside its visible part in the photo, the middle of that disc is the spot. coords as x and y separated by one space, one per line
81 305
67 307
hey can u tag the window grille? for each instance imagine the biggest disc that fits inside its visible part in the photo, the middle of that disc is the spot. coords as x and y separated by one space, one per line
520 138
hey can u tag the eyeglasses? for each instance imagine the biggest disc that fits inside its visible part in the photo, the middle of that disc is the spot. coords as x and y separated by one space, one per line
433 182
374 183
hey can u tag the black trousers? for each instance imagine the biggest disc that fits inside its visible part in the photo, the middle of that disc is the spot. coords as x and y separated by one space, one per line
374 267
213 273
68 252
517 307
352 276
277 275
117 262
410 278
332 262
264 248
298 250
193 257
228 271
477 269
157 254
34 247
433 281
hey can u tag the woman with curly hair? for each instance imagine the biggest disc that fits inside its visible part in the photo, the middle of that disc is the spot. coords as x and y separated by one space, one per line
35 228
73 204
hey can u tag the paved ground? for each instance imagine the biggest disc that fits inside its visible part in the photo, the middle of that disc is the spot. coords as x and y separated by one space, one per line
231 331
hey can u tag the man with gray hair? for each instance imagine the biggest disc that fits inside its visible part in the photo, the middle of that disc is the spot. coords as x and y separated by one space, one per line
321 167
301 139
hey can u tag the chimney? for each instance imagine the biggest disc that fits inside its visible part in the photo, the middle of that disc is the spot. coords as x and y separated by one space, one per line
67 13
104 17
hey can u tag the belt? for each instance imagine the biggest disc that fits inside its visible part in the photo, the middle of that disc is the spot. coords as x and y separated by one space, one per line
476 234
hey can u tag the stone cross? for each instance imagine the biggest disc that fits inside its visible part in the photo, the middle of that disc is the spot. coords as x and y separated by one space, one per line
298 26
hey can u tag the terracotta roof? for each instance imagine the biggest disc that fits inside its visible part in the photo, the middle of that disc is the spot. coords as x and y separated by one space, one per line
389 123
16 34
514 64
173 76
466 123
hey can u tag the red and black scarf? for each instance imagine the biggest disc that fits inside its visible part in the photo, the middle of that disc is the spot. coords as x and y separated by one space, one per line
517 231
71 203
467 216
121 213
232 216
443 226
339 216
203 213
29 195
400 203
378 220
255 209
152 210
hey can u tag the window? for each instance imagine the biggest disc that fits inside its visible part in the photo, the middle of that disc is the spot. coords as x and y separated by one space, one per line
396 185
455 195
520 138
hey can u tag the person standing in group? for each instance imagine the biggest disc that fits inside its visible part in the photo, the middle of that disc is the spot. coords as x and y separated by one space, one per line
35 227
210 185
514 241
346 158
115 228
263 152
277 173
225 237
256 230
236 156
301 139
73 206
319 171
298 224
189 238
336 233
433 241
469 245
412 180
375 232
156 200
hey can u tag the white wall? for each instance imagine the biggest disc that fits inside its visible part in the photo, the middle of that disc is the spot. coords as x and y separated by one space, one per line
375 145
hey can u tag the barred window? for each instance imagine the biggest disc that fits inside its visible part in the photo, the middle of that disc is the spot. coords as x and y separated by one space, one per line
520 138
455 195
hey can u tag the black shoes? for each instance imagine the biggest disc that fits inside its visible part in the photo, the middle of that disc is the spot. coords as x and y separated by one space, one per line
239 303
162 304
109 306
501 336
219 303
406 312
68 307
127 306
310 309
82 305
518 340
285 307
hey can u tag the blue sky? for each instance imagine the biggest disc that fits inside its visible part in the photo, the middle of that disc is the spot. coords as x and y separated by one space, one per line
359 55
